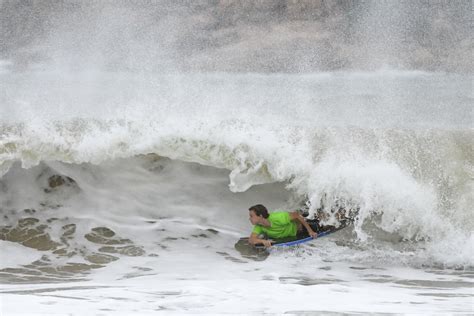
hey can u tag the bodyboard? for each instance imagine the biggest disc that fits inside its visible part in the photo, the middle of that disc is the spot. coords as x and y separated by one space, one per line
302 237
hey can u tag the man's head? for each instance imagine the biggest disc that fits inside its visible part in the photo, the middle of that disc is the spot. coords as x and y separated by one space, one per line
256 213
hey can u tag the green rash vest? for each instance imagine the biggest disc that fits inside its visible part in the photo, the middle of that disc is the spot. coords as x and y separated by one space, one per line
281 226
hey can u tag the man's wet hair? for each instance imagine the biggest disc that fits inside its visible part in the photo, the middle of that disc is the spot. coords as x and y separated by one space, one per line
260 210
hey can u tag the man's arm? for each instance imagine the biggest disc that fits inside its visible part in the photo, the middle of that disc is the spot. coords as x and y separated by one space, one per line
253 240
295 216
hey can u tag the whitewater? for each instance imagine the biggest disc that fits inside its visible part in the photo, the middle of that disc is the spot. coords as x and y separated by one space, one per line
135 135
125 192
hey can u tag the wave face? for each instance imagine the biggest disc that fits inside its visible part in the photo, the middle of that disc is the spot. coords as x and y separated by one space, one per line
396 144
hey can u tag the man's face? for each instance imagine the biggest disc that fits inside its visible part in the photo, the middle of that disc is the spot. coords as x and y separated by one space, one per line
254 219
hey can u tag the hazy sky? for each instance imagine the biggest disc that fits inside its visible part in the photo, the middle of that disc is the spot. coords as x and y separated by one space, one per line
255 36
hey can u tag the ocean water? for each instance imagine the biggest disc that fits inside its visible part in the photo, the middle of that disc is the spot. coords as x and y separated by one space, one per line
124 193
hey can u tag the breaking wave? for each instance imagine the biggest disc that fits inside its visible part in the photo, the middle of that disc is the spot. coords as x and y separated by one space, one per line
407 170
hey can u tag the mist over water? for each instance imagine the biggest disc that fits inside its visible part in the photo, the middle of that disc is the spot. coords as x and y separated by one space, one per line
261 36
134 135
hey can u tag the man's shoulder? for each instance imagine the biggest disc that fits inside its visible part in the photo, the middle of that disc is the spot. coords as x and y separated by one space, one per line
279 214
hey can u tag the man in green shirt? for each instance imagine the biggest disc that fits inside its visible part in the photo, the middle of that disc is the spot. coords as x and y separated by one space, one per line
275 225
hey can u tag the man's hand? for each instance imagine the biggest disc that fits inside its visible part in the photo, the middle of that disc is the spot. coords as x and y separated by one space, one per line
313 234
253 240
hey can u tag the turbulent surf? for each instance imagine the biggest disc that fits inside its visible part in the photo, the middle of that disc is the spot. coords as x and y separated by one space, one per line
133 140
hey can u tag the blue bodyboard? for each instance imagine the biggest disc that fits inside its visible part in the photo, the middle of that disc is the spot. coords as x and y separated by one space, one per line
302 237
